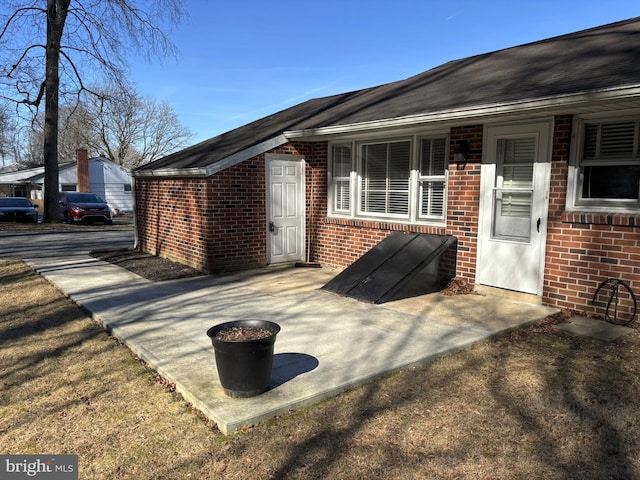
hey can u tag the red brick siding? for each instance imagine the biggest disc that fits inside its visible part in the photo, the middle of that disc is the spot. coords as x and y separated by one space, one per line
170 218
214 224
236 218
316 195
463 201
341 241
584 249
219 223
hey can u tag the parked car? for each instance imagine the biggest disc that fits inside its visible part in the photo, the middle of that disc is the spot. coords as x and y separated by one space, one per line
84 207
17 209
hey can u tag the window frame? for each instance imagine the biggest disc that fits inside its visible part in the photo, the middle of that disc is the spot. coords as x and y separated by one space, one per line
416 180
425 179
335 179
360 187
577 162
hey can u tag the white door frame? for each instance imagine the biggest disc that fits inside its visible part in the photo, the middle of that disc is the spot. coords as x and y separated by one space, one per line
285 229
491 251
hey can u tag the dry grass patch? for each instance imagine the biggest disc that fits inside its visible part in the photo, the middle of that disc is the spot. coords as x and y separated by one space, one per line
66 386
536 404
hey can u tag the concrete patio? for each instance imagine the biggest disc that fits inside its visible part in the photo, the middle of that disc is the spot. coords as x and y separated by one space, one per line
327 344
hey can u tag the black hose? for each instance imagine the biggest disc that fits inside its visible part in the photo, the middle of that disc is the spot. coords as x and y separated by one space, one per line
614 295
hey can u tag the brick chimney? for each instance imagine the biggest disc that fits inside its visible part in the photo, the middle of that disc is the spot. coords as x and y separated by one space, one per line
82 157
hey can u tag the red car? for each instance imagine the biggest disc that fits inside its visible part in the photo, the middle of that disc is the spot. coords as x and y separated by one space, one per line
84 207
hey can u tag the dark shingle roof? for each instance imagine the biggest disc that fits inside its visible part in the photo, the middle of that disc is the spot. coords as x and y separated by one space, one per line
592 60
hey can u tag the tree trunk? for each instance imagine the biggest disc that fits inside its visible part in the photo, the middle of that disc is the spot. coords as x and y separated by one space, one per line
56 16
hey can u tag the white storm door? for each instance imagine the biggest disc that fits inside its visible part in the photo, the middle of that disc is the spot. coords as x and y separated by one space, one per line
515 177
285 209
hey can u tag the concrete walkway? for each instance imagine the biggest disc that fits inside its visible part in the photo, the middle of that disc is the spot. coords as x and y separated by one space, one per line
327 344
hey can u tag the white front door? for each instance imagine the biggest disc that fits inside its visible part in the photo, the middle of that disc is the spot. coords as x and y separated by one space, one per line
514 189
285 209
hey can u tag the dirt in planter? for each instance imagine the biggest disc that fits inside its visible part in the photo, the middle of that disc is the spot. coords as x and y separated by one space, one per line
242 334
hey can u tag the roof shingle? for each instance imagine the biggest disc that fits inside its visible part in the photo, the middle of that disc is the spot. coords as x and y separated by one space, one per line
587 61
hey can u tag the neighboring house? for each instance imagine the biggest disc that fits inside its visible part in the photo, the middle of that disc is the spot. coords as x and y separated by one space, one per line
100 176
528 155
17 183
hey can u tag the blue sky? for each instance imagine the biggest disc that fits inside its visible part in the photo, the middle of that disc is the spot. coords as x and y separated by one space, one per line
241 60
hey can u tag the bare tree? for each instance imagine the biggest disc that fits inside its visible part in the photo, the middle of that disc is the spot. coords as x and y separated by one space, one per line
6 134
161 132
53 51
131 130
13 137
34 143
74 131
121 126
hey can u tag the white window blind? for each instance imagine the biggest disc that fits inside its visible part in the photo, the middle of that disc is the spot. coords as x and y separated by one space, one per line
402 179
610 140
341 178
610 165
385 178
518 155
433 165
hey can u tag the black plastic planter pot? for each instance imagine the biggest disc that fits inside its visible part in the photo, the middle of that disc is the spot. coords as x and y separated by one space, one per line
244 366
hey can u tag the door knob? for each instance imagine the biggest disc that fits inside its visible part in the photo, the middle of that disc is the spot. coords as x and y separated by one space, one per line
272 227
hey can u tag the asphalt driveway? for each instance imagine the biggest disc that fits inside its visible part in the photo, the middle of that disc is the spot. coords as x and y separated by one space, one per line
38 241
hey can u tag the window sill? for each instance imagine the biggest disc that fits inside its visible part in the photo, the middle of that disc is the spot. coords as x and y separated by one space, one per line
602 218
438 229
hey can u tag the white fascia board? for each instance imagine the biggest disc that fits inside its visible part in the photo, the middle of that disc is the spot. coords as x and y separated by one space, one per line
522 106
218 166
246 154
171 172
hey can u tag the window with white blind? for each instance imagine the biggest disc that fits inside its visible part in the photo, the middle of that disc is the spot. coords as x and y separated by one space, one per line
608 172
341 167
433 167
516 161
513 191
384 179
402 179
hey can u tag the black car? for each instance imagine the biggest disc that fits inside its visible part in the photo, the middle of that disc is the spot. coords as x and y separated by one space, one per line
84 207
18 209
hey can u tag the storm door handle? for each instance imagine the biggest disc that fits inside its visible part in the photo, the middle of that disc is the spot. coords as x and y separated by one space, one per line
538 225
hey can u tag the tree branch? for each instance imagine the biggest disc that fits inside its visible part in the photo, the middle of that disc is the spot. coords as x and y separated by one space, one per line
22 57
15 15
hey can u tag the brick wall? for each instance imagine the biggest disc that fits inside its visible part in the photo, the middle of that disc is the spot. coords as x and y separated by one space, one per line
213 224
316 195
218 223
341 241
170 218
463 201
584 249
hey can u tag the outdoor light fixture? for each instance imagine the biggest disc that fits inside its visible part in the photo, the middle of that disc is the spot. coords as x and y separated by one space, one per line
460 154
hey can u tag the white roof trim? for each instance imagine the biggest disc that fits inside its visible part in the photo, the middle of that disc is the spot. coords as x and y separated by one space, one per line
172 172
216 167
473 112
